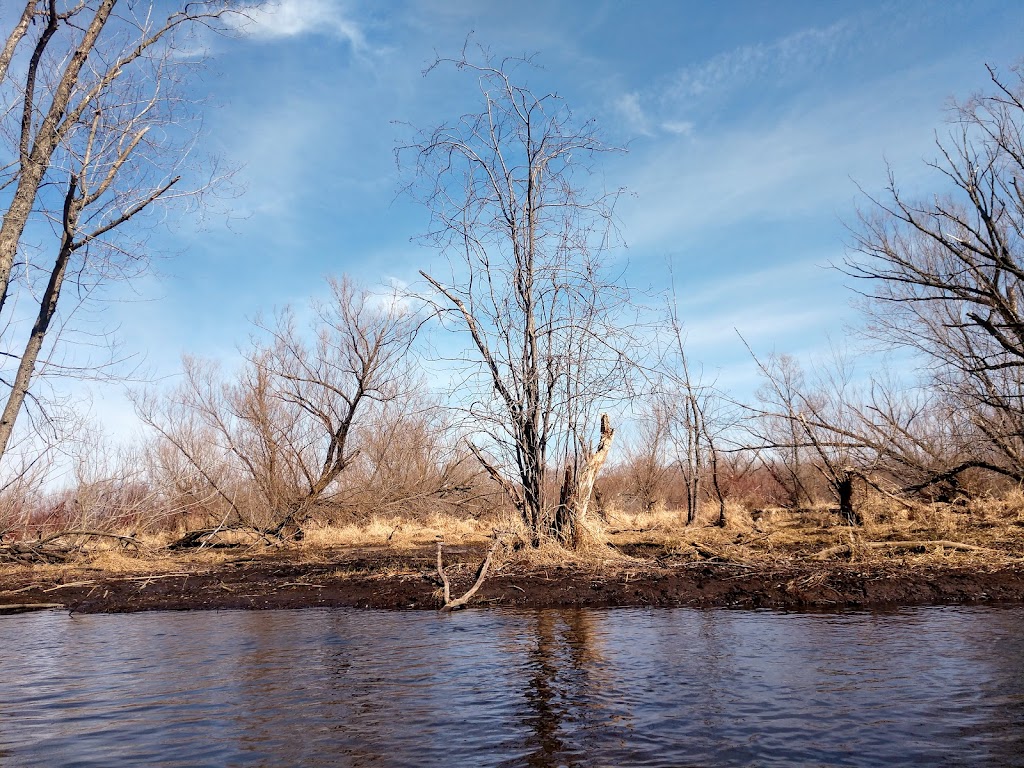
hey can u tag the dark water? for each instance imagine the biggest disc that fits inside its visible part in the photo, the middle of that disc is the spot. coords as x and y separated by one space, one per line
934 686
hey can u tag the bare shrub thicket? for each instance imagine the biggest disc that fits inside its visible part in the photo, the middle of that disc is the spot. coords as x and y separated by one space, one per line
412 463
268 447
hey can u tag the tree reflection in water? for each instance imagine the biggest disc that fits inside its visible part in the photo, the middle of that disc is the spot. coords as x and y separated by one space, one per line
563 686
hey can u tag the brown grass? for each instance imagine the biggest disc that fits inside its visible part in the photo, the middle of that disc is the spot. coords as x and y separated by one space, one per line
768 536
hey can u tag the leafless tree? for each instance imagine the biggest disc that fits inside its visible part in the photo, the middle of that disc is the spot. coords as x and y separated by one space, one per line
99 129
944 274
645 461
817 427
514 209
897 438
273 444
696 418
777 432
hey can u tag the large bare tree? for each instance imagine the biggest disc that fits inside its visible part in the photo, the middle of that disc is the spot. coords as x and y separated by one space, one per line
97 129
944 273
525 227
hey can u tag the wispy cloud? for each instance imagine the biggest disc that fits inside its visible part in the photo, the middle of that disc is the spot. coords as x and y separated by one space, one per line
292 18
628 107
798 52
674 102
800 164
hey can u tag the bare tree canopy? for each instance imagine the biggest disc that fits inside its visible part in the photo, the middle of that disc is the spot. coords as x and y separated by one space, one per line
945 273
97 130
526 227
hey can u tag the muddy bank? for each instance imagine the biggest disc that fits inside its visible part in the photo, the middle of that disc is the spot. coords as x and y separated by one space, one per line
407 580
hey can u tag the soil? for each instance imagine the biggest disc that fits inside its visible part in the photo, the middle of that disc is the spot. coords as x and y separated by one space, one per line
384 578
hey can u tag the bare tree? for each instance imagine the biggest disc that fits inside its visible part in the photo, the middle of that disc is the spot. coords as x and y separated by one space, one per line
98 130
507 189
777 432
807 425
412 462
273 444
893 437
695 414
646 456
944 275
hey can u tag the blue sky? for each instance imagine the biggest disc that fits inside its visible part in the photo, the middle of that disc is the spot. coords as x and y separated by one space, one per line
748 125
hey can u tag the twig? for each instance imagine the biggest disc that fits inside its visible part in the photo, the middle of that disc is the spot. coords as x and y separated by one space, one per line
71 584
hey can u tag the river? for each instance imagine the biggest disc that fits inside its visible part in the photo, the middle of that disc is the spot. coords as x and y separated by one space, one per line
927 686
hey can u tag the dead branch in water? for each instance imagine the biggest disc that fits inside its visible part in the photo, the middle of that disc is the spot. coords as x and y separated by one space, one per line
452 605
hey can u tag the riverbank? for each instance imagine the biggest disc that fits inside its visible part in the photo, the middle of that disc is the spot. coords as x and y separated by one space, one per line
777 560
390 579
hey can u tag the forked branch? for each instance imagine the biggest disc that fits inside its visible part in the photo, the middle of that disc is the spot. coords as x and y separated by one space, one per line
449 603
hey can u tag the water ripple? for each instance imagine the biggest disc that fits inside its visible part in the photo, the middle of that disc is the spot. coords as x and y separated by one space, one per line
934 686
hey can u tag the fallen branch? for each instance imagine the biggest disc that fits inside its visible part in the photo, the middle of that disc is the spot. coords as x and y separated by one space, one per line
614 531
47 550
25 607
842 549
146 579
712 554
451 605
126 540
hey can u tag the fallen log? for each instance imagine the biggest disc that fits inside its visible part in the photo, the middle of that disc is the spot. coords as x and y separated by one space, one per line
712 554
200 539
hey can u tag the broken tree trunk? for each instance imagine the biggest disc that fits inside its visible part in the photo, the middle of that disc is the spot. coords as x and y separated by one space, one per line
570 522
844 490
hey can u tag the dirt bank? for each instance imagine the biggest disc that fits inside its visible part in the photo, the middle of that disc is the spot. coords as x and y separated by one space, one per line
383 578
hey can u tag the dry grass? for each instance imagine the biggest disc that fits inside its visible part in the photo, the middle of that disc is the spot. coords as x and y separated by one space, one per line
399 533
775 535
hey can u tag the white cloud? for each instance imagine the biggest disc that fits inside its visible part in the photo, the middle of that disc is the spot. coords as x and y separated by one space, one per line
628 105
292 18
678 127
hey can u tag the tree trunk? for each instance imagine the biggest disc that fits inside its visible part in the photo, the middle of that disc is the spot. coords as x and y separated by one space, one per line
47 309
570 521
844 488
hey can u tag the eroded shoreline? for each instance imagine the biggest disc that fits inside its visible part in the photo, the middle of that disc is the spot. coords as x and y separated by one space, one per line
387 579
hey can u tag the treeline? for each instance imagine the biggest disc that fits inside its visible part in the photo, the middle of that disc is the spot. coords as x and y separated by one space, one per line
519 377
